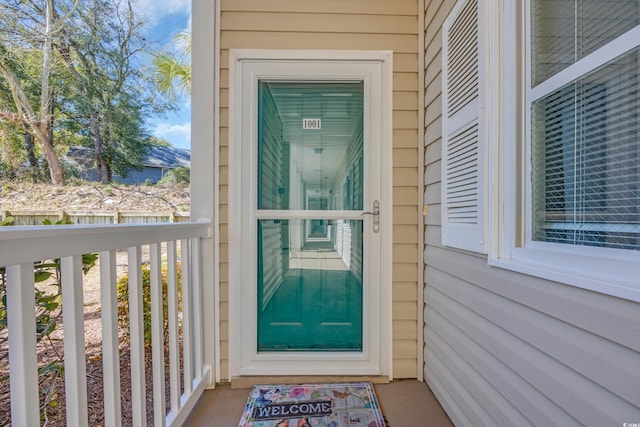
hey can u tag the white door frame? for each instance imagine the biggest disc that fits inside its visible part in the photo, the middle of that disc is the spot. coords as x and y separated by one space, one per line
246 67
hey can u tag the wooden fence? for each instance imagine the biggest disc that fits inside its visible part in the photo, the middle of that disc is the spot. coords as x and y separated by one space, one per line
94 217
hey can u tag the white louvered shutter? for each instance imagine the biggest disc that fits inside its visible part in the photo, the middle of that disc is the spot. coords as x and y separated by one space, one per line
464 130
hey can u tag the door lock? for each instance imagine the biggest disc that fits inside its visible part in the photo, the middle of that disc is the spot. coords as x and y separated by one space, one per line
376 216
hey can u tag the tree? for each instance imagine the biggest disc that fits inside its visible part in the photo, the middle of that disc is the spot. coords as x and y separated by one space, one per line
30 25
18 147
99 50
171 72
72 70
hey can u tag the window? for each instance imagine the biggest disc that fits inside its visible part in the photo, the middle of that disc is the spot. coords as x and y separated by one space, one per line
563 138
585 128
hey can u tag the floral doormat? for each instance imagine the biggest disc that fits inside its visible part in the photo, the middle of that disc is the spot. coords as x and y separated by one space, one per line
313 405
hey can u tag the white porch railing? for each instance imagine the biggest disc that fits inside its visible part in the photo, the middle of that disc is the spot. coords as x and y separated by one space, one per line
20 247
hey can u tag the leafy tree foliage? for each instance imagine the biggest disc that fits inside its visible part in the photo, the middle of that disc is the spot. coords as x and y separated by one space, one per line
180 176
72 73
171 70
112 98
32 26
161 142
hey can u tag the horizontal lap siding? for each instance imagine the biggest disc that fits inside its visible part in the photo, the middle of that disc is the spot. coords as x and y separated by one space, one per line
507 349
348 25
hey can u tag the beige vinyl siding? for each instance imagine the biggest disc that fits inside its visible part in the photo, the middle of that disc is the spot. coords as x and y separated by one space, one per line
333 7
341 25
502 348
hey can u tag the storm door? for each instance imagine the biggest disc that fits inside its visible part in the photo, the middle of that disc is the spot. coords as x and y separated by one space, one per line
309 214
310 255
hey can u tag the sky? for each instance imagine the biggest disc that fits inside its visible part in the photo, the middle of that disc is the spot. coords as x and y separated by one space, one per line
166 19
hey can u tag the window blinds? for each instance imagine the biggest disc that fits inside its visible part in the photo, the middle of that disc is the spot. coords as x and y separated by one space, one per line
563 32
586 159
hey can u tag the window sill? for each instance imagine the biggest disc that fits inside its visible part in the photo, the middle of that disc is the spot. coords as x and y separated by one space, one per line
610 276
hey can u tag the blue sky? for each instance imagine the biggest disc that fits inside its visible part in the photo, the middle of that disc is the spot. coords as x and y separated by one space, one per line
166 19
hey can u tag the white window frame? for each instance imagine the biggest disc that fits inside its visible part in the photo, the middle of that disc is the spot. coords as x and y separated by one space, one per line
610 271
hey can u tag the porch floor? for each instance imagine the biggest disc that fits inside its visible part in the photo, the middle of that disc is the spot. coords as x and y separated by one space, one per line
403 402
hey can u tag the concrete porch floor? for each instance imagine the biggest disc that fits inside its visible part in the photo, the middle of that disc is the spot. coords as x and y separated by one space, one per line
404 403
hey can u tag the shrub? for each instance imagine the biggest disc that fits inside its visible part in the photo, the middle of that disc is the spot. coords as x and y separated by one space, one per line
123 301
178 176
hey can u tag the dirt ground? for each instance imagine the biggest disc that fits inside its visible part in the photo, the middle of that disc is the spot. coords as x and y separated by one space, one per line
16 196
93 196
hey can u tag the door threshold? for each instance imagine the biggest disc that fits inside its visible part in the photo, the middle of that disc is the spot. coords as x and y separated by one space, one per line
250 381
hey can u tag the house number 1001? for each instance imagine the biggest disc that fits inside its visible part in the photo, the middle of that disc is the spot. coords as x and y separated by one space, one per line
311 123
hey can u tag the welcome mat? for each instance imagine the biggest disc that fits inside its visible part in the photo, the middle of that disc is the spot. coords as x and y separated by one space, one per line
313 405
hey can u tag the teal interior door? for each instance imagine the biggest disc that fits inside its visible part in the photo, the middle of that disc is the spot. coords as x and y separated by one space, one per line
310 252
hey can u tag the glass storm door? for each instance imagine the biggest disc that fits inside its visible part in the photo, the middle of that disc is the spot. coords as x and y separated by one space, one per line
310 212
309 253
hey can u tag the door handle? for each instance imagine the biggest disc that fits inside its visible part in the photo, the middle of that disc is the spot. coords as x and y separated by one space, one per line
376 215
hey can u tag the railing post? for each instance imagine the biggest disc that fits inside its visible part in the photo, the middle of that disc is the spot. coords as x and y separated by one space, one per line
157 335
75 364
187 316
110 348
23 366
136 335
172 316
198 330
